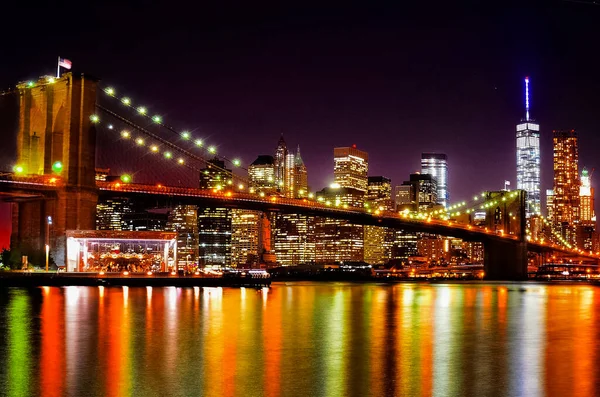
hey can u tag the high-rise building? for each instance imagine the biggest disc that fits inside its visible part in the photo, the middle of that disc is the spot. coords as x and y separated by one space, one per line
300 176
338 240
350 168
377 244
262 174
244 237
423 191
436 165
215 175
528 158
111 213
550 204
293 237
289 180
402 197
587 215
566 183
214 236
183 220
279 164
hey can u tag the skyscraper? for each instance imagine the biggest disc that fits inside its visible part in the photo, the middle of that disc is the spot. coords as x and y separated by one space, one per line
566 183
279 164
586 200
262 174
350 168
300 176
214 241
377 240
244 237
436 165
528 158
423 191
289 180
183 220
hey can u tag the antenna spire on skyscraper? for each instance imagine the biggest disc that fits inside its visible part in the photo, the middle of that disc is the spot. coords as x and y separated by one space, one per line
527 98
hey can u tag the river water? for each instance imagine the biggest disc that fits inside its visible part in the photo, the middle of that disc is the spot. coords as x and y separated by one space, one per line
302 339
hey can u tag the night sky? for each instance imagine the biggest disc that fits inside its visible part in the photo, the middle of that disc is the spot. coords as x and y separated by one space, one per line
394 80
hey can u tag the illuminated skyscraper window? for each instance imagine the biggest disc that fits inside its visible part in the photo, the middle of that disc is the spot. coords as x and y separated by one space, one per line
436 165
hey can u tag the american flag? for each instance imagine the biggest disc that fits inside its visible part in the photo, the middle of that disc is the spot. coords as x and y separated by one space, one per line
64 63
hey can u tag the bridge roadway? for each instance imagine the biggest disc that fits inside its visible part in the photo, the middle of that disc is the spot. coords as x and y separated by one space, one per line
496 243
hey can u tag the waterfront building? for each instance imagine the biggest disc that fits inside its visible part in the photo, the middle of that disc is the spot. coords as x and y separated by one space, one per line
245 237
566 183
435 248
350 168
293 237
183 221
528 158
214 236
436 165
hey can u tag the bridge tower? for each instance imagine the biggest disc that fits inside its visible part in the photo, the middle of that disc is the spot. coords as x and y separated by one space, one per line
56 137
505 214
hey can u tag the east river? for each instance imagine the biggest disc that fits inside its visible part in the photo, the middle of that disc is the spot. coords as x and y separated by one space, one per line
302 339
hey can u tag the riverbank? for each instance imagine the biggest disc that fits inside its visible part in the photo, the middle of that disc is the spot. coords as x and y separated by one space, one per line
39 279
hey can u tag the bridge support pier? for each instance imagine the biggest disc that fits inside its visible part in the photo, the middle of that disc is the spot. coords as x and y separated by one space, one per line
505 260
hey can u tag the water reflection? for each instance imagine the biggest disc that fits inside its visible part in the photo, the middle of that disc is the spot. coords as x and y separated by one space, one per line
301 339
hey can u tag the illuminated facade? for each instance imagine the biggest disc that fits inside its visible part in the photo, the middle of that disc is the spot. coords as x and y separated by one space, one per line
111 213
377 244
289 180
402 197
293 237
244 237
350 168
300 176
434 248
528 158
586 200
436 165
423 191
214 236
337 240
279 162
183 220
262 174
566 183
215 175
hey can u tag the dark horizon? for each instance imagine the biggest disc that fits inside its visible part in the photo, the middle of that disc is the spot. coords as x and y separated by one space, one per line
394 80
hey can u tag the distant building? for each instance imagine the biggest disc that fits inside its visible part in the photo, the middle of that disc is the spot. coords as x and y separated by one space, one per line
215 175
183 221
550 203
289 180
587 215
402 197
279 164
377 244
528 159
300 176
436 165
423 191
350 168
214 236
262 174
244 237
379 193
111 213
566 183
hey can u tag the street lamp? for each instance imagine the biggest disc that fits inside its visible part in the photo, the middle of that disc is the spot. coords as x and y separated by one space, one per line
48 223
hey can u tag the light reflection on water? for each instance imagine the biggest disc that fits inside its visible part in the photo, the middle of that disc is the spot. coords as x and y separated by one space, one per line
301 339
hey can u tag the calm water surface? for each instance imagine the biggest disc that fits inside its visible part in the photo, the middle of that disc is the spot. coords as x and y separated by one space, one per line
302 339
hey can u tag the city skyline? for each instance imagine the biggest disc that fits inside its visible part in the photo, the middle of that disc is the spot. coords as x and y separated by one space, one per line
454 96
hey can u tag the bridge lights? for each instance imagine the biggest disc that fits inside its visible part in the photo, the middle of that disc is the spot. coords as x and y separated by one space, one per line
126 101
30 84
51 80
199 142
237 162
110 91
154 148
185 135
240 186
126 178
168 155
125 134
212 149
57 166
94 118
157 119
180 161
310 195
139 141
142 110
18 169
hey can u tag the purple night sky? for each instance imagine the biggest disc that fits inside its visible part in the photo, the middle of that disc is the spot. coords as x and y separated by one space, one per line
393 80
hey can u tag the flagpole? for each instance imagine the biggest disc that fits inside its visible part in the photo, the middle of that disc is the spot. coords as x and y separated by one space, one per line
58 68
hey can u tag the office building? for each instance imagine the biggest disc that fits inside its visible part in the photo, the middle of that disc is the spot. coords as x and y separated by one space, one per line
402 198
245 237
587 216
350 168
422 191
300 176
436 165
528 159
377 244
262 175
566 183
279 164
289 180
214 236
183 220
111 213
294 238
